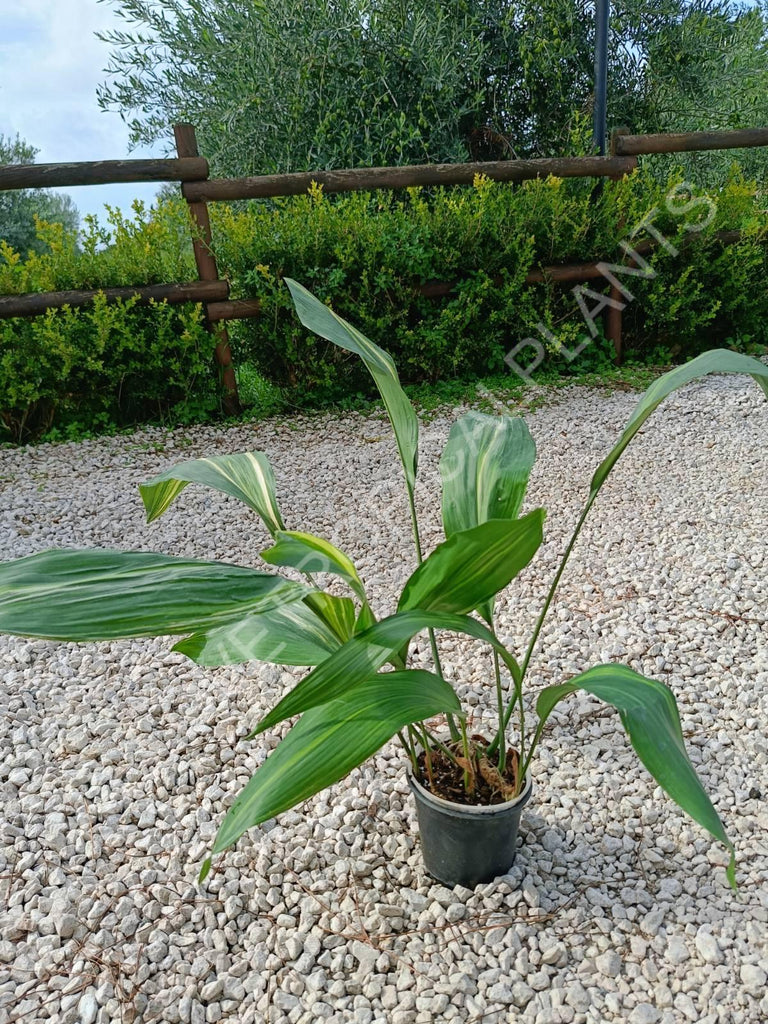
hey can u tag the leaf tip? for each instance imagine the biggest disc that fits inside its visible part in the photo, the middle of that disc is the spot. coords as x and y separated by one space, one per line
145 490
265 723
730 871
204 870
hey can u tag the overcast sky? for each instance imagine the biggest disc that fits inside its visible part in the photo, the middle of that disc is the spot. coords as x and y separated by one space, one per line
50 65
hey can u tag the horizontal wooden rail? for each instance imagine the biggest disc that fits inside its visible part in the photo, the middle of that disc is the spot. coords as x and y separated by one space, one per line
235 309
688 142
564 273
361 178
220 307
38 302
101 172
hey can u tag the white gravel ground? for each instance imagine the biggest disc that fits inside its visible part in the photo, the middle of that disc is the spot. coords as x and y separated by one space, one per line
119 760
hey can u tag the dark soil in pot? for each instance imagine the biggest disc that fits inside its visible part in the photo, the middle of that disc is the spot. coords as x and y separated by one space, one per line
445 779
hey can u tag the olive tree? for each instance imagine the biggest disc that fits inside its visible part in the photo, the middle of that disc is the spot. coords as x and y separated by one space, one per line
19 208
281 86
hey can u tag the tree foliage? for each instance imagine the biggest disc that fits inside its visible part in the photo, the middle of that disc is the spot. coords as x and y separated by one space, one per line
18 209
281 86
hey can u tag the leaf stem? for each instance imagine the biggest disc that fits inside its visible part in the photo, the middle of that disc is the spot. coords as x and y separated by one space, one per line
432 641
469 783
410 749
553 587
436 742
540 621
534 743
427 754
415 526
502 758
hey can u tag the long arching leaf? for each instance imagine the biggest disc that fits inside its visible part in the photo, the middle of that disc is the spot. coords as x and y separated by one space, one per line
718 360
246 476
649 714
329 741
290 635
367 652
108 595
318 317
474 565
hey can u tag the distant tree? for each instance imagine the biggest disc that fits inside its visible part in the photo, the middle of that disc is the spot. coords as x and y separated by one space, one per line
281 86
19 207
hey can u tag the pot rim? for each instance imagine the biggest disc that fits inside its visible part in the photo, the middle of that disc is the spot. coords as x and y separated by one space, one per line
469 810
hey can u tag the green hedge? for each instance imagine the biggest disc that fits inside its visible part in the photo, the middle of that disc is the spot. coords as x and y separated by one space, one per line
103 366
367 254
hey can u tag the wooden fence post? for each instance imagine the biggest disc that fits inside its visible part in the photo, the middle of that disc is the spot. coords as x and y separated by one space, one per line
613 318
186 146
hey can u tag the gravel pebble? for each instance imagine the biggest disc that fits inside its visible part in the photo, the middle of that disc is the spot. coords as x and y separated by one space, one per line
120 759
709 947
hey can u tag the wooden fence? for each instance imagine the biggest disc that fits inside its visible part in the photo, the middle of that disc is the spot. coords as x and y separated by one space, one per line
192 171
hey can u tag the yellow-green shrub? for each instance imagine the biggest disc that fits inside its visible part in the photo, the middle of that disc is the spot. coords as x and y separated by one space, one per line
104 365
368 253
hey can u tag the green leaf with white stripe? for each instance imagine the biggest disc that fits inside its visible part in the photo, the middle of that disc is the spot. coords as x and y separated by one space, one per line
308 553
474 565
318 317
108 595
338 613
365 618
367 652
485 468
290 635
246 476
330 740
649 714
718 360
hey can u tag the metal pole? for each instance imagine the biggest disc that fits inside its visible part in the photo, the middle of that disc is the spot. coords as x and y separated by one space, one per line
600 127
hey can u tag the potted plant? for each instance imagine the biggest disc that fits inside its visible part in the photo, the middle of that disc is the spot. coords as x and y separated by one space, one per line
360 691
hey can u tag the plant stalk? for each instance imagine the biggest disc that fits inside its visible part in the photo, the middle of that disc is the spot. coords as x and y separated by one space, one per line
439 745
410 750
502 758
553 587
468 780
526 758
427 755
415 526
432 641
534 743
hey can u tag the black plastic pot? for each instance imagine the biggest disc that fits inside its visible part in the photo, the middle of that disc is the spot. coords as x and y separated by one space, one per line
465 845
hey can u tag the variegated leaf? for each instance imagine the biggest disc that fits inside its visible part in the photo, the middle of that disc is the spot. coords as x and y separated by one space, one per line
290 635
246 476
107 595
366 652
329 741
649 714
338 613
308 553
717 360
484 469
318 317
474 565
